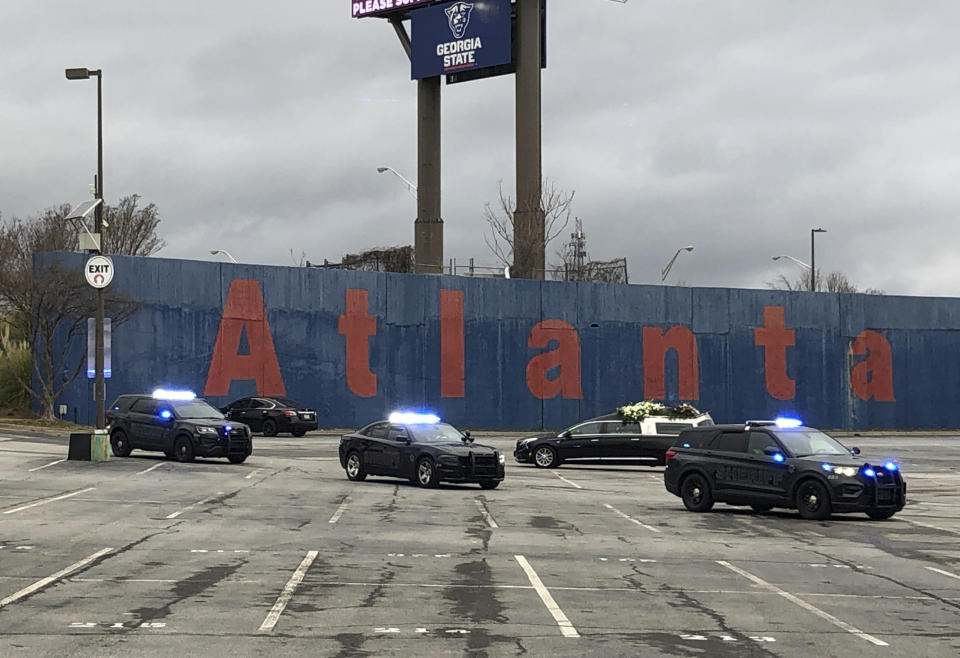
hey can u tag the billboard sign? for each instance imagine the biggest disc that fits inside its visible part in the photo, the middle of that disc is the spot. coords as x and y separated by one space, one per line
459 36
361 8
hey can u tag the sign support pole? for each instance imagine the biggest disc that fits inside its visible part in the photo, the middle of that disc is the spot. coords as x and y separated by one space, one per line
428 227
529 241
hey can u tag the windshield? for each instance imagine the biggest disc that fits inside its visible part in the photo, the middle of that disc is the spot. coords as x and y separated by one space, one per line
195 409
804 442
435 433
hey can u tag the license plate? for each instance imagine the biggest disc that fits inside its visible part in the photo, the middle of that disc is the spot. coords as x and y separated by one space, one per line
307 416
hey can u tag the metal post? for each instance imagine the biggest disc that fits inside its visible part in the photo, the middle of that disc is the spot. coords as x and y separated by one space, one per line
813 262
529 241
100 393
428 227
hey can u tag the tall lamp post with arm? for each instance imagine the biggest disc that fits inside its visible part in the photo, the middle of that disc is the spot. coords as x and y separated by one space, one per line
99 393
813 258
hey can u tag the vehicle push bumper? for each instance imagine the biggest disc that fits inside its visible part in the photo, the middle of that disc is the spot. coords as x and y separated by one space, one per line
224 444
886 491
473 468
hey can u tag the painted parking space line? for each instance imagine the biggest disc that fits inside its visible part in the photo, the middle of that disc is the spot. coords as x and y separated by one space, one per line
340 510
942 572
839 623
147 470
566 628
930 526
40 468
485 513
251 474
43 582
190 507
48 500
630 518
570 482
288 590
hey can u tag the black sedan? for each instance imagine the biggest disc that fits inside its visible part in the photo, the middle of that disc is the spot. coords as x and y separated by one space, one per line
767 464
272 415
422 449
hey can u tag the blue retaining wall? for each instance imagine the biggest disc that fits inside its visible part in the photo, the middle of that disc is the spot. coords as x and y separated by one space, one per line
171 342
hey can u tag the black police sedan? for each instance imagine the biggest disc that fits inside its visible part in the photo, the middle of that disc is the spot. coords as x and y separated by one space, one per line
422 449
176 423
781 463
272 415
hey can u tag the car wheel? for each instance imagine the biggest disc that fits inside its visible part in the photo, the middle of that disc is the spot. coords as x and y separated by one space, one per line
237 459
269 427
881 514
183 450
545 457
354 467
489 484
120 444
299 433
762 508
813 500
696 494
427 475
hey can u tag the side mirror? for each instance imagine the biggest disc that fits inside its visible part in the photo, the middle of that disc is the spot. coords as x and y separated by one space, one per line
566 434
854 450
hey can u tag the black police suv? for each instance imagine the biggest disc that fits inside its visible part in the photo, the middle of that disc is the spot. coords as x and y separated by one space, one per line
781 463
422 449
178 425
272 415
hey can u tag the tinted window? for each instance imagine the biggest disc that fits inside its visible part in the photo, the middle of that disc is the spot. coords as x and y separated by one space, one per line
730 442
586 428
239 405
144 406
806 441
287 402
397 434
672 428
758 441
696 439
376 431
622 428
123 403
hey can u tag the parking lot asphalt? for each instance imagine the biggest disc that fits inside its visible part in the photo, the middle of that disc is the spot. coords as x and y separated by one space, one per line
281 555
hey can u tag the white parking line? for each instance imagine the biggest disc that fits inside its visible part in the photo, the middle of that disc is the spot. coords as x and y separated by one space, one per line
190 507
48 500
945 573
40 468
566 628
629 518
274 615
485 513
930 526
803 604
570 482
251 474
340 510
150 469
43 582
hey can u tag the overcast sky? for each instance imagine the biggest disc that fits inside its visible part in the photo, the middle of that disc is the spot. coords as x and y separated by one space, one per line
734 126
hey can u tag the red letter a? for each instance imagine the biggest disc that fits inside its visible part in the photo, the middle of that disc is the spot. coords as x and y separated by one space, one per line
873 377
357 326
244 310
566 356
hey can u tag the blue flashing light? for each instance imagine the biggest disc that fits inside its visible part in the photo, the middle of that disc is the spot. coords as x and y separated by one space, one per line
827 467
778 457
227 428
788 423
164 394
686 445
413 418
891 466
166 414
870 473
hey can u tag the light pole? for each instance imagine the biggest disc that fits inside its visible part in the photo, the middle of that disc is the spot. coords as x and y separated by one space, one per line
99 392
666 270
795 260
411 187
214 252
813 258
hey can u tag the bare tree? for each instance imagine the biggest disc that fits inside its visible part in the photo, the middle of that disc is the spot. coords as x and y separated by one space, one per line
833 282
555 204
132 231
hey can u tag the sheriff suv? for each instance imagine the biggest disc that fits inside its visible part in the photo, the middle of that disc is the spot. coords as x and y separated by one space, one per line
178 424
781 463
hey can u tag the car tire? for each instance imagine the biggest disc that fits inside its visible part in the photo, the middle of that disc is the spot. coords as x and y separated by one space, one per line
298 433
354 467
183 450
696 494
120 444
489 484
545 457
237 459
761 508
813 500
881 514
269 427
427 475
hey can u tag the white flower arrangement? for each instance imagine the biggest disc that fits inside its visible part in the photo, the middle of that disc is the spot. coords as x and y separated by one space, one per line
646 408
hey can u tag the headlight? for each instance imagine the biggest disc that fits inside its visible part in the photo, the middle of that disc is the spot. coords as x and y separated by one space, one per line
501 459
848 471
206 430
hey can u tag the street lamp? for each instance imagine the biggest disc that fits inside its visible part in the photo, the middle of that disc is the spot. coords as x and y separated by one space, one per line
666 270
99 393
214 252
795 260
813 258
411 187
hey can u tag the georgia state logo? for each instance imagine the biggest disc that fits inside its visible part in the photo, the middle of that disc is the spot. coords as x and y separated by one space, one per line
458 17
